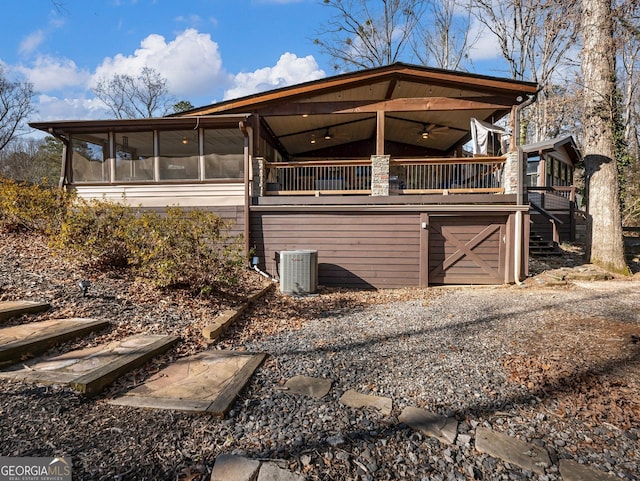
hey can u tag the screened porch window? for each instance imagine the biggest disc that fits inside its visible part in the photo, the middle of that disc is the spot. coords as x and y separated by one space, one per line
223 154
134 156
533 172
178 155
89 158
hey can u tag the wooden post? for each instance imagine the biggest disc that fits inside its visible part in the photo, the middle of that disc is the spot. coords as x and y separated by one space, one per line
380 132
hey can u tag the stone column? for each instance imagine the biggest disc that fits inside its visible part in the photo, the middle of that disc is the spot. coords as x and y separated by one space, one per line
259 177
380 175
510 175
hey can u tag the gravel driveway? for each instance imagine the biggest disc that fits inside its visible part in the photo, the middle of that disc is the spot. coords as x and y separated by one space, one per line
559 367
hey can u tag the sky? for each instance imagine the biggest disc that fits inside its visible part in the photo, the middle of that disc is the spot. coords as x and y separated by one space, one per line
208 50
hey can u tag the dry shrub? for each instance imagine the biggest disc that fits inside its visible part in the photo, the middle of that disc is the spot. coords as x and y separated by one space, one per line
185 248
32 207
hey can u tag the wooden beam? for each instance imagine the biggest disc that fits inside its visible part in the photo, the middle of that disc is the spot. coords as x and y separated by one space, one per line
402 104
380 133
425 103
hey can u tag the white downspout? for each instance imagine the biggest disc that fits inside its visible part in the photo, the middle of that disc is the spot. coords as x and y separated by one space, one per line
520 194
518 250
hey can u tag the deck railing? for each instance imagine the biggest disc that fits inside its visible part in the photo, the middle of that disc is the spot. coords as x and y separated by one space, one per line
311 177
408 176
448 175
568 192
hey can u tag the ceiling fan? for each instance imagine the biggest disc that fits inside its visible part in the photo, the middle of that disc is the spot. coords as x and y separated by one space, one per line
431 129
328 135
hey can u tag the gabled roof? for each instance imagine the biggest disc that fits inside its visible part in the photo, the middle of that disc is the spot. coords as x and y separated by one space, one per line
332 116
396 72
565 144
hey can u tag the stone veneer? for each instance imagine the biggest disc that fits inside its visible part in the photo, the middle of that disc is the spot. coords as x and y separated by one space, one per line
510 173
380 175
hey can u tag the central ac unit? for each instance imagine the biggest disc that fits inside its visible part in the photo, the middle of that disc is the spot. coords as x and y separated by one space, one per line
299 272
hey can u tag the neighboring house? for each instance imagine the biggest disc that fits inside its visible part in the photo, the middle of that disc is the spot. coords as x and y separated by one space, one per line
550 186
368 168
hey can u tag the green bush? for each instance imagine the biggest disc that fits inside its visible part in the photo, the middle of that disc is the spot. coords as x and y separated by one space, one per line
31 207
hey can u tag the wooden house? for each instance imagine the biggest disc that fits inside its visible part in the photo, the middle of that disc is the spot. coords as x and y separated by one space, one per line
550 187
367 168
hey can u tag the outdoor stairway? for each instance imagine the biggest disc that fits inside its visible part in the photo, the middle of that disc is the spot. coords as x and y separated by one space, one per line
87 370
92 369
539 247
28 340
11 309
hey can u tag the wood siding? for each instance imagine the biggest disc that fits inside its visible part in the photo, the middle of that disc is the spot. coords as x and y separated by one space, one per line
354 250
162 195
374 249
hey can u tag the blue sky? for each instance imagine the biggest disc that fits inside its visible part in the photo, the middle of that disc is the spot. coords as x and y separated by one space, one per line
208 50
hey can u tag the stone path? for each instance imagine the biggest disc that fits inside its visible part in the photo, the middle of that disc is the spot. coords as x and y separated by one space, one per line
528 456
208 383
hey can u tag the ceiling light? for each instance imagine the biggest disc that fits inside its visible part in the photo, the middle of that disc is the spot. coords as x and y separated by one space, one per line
327 135
424 133
313 139
184 140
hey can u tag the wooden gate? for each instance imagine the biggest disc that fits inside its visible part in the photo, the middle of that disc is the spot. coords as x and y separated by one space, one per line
463 249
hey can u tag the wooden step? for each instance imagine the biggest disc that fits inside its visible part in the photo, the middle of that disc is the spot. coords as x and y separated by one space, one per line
28 340
10 309
205 383
91 370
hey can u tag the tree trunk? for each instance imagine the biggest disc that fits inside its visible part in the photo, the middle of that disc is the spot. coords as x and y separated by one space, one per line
606 246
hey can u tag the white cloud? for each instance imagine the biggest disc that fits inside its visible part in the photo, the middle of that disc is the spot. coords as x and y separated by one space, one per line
31 42
289 70
191 63
48 73
55 108
486 46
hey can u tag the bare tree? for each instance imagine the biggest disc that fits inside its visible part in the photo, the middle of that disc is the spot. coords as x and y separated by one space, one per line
32 160
444 36
365 33
15 107
130 97
627 14
534 37
606 247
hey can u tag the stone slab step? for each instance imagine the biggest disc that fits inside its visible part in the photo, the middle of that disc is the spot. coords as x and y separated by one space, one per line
512 450
207 383
309 386
443 428
28 340
229 467
355 399
91 370
571 470
11 309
